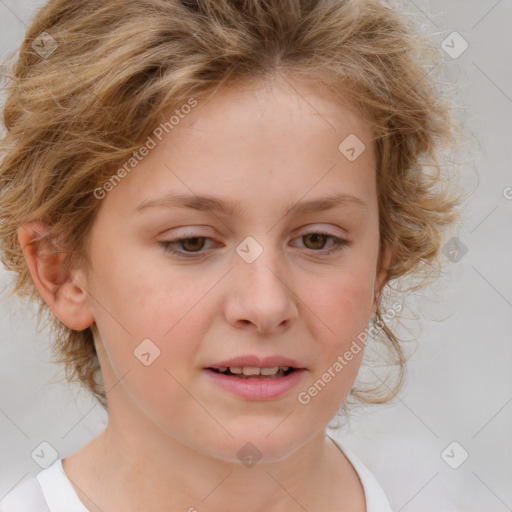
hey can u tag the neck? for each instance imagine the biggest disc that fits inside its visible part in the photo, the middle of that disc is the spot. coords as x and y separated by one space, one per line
126 469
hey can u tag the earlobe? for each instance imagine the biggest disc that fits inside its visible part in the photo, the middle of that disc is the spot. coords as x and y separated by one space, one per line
61 289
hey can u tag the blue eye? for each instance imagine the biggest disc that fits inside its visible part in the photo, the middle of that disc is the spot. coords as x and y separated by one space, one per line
196 244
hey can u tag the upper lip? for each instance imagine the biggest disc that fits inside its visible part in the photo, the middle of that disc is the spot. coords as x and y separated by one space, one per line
257 362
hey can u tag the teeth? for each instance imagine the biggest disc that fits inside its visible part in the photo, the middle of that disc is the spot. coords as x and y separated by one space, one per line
269 371
252 370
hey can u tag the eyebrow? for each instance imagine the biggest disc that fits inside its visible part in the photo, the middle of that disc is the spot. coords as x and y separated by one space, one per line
234 208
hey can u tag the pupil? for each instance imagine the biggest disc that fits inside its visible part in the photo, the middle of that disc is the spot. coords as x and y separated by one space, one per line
315 238
194 239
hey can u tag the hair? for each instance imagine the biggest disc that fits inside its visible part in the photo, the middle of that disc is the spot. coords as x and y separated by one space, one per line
112 71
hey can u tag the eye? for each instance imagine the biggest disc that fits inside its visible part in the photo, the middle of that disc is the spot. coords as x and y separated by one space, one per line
191 245
319 239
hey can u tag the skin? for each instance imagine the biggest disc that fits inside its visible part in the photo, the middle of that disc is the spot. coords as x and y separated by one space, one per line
172 436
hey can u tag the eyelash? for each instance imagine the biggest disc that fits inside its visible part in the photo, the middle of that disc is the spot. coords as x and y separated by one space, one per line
339 244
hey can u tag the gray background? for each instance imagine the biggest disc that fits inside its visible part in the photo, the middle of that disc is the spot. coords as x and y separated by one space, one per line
458 385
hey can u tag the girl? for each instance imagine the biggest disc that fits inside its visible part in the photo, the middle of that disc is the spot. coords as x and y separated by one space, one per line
208 198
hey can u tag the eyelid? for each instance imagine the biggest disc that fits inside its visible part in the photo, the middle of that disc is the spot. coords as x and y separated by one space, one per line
189 232
318 228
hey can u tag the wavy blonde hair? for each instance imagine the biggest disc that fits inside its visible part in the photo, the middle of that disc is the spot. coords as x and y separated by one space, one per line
116 68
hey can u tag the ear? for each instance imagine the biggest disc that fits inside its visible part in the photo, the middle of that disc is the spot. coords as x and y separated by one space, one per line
381 277
61 289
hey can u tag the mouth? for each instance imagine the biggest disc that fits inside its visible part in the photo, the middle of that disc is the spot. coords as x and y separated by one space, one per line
256 383
254 373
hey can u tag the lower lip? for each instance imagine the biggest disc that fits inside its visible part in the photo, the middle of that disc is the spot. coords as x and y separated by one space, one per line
257 389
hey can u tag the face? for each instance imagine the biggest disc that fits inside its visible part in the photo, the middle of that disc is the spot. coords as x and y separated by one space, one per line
275 273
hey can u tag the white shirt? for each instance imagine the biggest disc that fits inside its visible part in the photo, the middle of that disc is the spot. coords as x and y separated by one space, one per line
51 491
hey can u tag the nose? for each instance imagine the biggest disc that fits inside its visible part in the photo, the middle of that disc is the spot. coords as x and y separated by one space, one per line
260 295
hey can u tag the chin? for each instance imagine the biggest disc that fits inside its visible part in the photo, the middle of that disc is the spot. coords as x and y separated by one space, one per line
260 441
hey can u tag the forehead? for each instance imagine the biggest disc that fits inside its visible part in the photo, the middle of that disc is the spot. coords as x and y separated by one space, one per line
280 141
277 102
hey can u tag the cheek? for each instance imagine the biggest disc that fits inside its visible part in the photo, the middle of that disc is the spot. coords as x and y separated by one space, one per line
156 373
143 298
341 307
138 302
341 314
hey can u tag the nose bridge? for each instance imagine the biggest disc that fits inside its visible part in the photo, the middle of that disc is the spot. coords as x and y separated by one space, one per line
259 292
261 260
